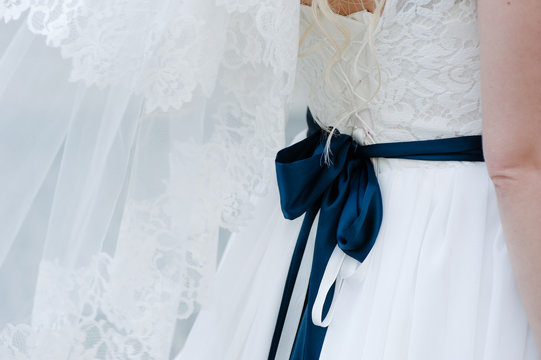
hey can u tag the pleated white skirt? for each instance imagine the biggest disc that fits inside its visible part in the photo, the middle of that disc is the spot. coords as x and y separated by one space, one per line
438 283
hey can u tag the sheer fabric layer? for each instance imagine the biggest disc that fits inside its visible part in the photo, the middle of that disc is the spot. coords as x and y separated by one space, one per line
132 131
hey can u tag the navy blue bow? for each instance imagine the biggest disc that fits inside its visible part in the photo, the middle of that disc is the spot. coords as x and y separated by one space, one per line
347 196
346 192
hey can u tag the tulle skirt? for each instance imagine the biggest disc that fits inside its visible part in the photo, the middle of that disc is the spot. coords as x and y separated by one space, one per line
438 283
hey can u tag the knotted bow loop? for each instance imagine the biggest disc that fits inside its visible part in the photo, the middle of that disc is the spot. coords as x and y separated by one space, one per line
303 177
347 188
352 207
361 208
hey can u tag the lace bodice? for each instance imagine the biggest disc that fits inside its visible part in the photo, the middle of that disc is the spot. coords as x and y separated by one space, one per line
428 52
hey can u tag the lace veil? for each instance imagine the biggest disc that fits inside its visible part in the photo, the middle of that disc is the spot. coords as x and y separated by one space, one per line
131 132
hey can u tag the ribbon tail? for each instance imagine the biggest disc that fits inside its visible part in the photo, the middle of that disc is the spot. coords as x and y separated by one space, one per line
331 277
292 278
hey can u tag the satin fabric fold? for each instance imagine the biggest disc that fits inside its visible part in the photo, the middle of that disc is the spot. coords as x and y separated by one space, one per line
347 196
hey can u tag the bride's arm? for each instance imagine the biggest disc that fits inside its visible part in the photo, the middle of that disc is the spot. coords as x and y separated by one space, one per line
510 32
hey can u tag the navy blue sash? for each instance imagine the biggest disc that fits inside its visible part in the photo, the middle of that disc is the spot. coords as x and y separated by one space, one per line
347 195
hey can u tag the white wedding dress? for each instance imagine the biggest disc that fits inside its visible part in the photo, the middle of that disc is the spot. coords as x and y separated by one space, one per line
438 283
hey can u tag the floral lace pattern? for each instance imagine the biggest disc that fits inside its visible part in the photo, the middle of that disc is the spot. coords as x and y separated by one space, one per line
230 54
88 323
12 9
162 48
428 52
430 61
88 316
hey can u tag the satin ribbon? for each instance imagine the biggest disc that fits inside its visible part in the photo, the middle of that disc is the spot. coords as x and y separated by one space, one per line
347 196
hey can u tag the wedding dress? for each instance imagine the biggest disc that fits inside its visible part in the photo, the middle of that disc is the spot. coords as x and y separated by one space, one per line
438 283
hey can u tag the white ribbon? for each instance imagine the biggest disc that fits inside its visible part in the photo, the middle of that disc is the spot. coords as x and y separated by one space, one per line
339 267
